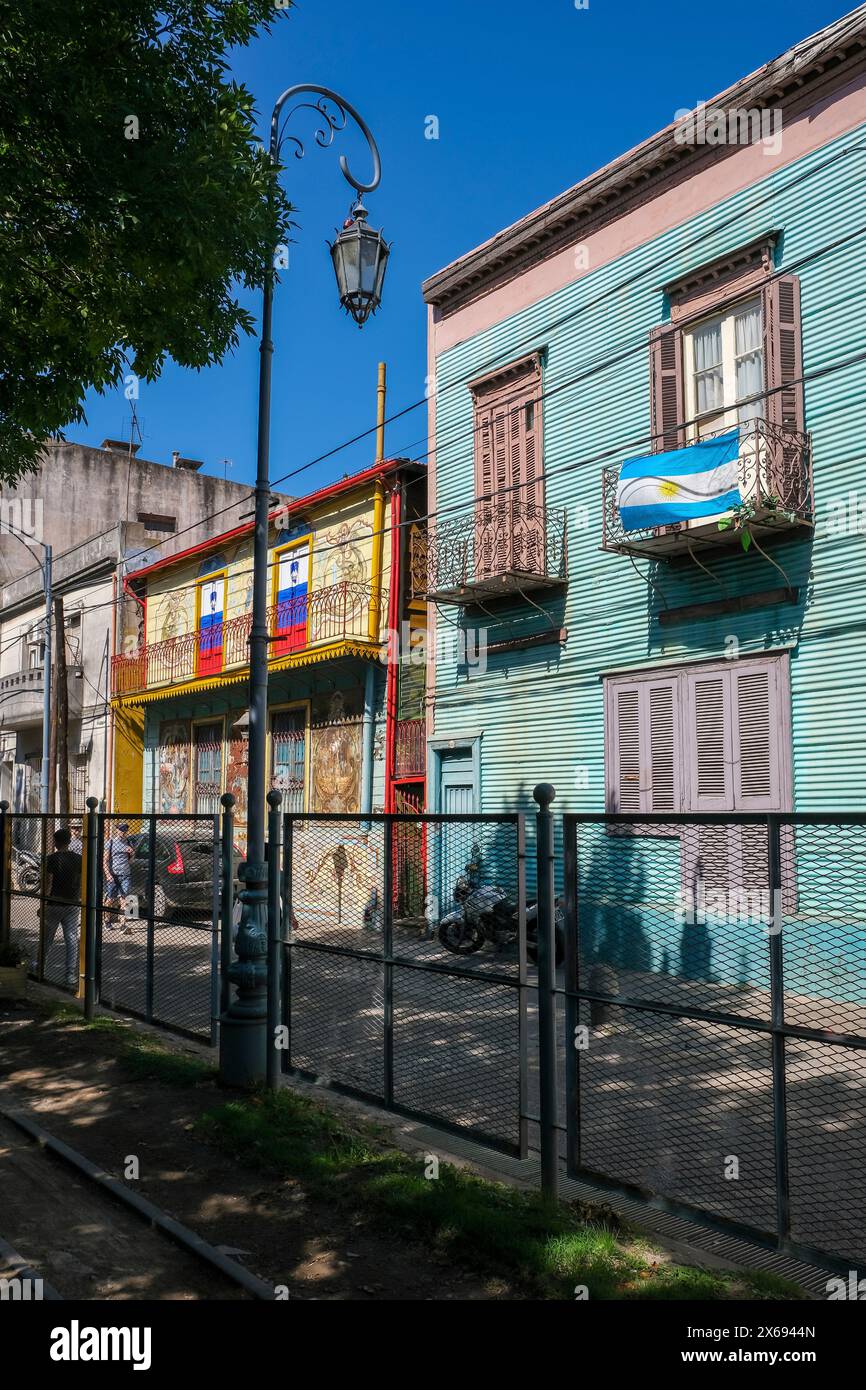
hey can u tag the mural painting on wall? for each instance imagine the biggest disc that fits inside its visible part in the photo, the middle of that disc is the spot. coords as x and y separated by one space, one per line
237 767
171 616
174 767
344 558
336 757
337 885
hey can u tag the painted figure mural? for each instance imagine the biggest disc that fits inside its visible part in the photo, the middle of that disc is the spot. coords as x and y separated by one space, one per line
174 766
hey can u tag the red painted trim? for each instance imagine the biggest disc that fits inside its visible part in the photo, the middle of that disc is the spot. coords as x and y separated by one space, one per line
298 504
391 677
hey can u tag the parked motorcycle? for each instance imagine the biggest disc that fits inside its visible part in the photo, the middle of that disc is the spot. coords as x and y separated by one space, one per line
26 871
485 914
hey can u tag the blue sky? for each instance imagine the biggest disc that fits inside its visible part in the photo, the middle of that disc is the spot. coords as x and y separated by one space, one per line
529 99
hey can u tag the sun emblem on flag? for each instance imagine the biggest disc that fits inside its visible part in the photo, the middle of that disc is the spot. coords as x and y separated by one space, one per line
669 489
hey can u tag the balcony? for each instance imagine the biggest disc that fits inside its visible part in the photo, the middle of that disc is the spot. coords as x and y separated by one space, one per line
410 753
296 627
498 548
21 702
775 483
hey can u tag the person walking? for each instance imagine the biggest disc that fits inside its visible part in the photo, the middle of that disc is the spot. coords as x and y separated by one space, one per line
118 853
63 901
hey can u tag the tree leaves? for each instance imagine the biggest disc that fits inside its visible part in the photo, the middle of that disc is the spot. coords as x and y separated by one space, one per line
123 242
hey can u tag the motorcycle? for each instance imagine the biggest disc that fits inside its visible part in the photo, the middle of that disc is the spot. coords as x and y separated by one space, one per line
486 914
26 871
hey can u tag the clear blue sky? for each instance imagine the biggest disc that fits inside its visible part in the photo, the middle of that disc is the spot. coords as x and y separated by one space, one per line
530 98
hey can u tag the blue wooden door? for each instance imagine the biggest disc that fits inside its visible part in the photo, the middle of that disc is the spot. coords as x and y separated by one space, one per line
456 798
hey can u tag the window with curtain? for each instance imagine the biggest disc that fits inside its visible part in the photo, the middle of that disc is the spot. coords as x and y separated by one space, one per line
724 369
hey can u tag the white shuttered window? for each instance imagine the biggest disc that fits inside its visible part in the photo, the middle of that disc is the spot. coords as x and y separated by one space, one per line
714 737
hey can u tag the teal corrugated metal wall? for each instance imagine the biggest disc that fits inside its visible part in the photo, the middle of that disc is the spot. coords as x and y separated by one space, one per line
542 710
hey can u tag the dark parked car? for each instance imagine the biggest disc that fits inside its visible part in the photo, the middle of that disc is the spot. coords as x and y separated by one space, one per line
183 876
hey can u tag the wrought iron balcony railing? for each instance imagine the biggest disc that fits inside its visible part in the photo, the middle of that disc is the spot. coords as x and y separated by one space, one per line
339 613
411 747
503 545
775 482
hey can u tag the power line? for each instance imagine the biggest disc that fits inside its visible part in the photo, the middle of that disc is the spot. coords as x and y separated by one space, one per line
770 195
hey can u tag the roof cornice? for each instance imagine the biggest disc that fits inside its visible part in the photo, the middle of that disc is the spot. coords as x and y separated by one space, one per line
826 61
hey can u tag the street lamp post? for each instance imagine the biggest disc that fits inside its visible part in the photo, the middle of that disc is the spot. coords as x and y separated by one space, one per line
359 255
45 567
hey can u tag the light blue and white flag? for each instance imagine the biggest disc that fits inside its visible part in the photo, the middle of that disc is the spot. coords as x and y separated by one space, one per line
700 480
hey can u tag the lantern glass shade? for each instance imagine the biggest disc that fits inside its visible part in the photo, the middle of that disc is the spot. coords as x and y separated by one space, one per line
360 256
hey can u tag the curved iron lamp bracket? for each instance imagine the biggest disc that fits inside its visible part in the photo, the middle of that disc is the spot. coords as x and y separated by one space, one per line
334 121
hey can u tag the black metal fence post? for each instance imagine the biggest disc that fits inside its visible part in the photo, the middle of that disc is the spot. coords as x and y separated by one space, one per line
544 794
522 1030
274 857
44 850
216 922
91 896
388 953
287 923
572 982
5 872
150 943
226 904
777 1004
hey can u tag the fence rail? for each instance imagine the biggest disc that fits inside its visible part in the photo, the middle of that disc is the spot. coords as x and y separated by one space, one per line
150 887
703 1041
376 1004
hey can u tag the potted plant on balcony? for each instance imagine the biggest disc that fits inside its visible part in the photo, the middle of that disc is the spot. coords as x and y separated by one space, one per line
745 513
13 970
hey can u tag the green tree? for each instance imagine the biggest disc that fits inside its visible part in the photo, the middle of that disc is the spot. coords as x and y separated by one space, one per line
135 199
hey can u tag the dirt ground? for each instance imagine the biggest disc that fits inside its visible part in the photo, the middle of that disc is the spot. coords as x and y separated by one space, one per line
72 1086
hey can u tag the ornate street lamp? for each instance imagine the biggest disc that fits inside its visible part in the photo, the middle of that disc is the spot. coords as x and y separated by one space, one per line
360 255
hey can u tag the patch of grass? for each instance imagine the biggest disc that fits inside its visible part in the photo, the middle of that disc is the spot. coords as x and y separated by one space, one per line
547 1250
143 1057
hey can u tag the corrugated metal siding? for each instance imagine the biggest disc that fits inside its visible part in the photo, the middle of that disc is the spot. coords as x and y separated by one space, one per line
542 710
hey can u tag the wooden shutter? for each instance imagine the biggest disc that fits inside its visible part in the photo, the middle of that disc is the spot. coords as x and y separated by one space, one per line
484 476
755 725
643 748
783 353
509 470
626 763
662 724
666 388
710 762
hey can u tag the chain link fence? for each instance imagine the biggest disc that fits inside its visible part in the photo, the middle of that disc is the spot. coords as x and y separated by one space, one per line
715 1031
411 998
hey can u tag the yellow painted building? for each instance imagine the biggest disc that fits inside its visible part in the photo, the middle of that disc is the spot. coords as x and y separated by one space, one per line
338 562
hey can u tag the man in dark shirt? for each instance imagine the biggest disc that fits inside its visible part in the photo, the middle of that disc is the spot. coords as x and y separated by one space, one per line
63 908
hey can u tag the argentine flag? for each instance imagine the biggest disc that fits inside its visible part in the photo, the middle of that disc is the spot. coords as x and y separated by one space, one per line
698 481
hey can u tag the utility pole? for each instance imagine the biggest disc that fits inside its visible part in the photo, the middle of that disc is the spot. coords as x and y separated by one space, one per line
45 782
61 707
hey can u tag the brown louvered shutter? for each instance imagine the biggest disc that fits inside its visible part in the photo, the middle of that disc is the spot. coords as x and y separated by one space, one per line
509 472
666 388
484 483
783 353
